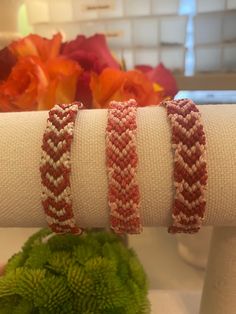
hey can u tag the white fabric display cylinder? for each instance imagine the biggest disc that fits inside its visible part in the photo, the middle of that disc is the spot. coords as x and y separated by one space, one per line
219 292
194 249
20 150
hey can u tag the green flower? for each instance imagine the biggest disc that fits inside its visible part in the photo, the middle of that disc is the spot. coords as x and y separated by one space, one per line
66 274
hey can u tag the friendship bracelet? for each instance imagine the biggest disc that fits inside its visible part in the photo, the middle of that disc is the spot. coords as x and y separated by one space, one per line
122 161
55 168
190 167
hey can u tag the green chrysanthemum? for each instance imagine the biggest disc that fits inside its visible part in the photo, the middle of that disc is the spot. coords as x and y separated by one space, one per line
65 274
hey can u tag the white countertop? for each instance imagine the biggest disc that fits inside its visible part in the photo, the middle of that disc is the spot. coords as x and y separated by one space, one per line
172 302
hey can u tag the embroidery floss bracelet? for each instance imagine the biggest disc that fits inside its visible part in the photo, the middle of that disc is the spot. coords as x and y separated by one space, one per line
190 167
55 168
122 161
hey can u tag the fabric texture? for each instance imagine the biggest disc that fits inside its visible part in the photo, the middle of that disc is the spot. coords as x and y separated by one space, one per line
190 165
55 168
122 163
20 150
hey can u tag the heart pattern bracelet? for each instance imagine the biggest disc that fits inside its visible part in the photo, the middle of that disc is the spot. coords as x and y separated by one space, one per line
55 168
122 162
190 166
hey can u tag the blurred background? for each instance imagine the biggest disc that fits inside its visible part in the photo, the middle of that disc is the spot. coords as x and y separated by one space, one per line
196 40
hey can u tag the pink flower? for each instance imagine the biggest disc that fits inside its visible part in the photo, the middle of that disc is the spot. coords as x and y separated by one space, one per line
93 55
162 76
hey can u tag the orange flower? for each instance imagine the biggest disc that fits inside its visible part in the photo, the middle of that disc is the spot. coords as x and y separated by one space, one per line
118 85
40 77
35 45
34 85
26 83
63 76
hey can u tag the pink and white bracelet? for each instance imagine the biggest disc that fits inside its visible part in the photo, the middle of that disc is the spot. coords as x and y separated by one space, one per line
122 162
190 166
55 168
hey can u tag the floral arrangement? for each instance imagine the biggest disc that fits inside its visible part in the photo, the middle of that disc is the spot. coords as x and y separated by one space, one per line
94 273
36 73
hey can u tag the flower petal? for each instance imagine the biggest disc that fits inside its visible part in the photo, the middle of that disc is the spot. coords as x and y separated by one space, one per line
95 46
118 85
162 76
105 86
27 81
7 61
35 45
63 76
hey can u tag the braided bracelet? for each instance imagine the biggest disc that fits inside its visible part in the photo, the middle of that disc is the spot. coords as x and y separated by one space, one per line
190 168
122 161
55 168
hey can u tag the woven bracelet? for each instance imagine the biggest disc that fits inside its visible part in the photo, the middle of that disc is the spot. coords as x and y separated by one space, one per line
55 168
190 168
122 162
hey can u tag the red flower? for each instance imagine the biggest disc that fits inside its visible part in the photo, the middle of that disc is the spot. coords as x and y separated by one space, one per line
162 76
93 55
7 61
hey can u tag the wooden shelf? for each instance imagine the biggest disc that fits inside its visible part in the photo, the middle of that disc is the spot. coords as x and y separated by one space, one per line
207 81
